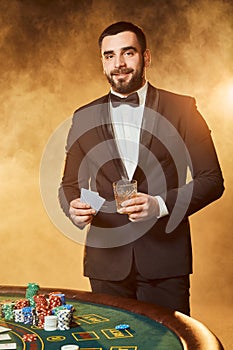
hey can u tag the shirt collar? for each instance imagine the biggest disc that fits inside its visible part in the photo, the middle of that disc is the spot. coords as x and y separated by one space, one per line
141 93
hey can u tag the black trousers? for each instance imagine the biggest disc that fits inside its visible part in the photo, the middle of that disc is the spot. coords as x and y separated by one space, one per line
172 293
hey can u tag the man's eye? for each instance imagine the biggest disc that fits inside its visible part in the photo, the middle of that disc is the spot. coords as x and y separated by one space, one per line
129 53
108 57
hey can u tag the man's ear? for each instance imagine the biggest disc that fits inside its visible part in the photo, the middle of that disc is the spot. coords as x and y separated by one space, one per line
147 57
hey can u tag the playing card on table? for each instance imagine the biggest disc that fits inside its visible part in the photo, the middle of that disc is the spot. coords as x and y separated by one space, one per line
4 329
5 336
92 198
8 346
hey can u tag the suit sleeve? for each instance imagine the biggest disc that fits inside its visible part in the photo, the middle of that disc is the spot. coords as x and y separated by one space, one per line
207 182
75 175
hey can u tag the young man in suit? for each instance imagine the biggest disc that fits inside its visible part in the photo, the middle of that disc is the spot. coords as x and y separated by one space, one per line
139 132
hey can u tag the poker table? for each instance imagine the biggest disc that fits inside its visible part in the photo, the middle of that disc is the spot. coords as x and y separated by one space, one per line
95 317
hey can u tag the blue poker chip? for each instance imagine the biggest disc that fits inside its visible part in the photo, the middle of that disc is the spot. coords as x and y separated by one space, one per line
122 326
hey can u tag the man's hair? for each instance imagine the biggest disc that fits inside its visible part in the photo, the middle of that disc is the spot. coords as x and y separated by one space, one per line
120 27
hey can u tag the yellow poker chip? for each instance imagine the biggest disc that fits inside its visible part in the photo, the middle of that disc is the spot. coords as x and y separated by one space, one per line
122 326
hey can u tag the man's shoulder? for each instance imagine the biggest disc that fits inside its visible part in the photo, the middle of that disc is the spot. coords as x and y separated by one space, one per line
167 102
174 97
95 103
171 102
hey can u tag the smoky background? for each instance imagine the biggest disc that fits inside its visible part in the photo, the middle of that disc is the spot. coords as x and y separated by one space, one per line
49 67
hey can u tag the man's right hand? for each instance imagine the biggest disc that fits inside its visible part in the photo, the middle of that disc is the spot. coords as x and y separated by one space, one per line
81 213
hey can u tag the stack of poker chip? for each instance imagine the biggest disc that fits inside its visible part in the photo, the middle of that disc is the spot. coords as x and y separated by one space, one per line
19 304
7 310
2 303
41 301
62 296
42 309
28 315
55 300
50 323
31 291
64 319
18 315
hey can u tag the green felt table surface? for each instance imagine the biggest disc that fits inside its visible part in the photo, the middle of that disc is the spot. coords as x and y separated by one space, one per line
94 328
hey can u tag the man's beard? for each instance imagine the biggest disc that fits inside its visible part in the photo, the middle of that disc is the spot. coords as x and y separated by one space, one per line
126 87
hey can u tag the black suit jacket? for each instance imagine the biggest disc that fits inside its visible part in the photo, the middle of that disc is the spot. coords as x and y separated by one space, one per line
174 137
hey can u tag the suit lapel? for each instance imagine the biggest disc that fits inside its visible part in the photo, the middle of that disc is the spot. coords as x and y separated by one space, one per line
106 133
150 119
148 130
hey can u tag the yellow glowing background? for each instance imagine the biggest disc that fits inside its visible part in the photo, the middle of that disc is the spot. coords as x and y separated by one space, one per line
49 66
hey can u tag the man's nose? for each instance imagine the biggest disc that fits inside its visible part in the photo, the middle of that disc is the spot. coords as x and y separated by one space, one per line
119 61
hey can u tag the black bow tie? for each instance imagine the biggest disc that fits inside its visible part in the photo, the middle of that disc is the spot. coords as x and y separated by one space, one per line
132 100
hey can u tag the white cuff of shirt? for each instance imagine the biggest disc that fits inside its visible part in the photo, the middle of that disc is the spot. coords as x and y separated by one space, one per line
162 207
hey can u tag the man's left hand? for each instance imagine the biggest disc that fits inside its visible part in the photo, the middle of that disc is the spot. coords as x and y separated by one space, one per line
140 208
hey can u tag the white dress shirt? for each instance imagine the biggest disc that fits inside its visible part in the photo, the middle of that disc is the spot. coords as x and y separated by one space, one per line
127 121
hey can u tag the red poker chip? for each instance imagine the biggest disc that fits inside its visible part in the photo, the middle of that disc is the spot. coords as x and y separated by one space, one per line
29 337
19 304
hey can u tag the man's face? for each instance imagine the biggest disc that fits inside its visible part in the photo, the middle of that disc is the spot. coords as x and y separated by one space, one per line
123 62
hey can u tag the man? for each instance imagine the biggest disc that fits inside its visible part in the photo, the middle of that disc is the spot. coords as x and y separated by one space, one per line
144 252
